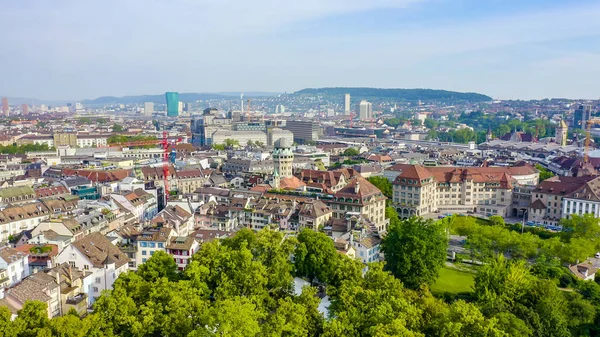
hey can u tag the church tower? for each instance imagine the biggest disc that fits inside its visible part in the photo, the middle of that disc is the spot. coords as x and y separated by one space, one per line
283 158
560 135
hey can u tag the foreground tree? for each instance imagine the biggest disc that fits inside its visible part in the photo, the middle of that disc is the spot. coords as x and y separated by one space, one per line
315 256
415 250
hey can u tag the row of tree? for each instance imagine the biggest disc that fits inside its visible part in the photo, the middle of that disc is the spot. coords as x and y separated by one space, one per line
22 149
579 240
243 286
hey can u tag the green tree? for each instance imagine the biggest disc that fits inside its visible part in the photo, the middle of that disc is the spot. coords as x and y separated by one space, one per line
497 220
431 123
544 172
117 128
383 184
351 152
315 256
218 147
415 250
393 122
231 143
32 320
160 264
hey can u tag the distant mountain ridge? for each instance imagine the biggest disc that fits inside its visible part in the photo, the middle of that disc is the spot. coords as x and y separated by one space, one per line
183 97
397 94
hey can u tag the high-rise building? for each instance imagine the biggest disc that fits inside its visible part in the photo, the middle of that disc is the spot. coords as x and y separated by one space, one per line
148 108
180 108
172 104
4 106
582 114
24 109
365 112
346 104
304 131
560 136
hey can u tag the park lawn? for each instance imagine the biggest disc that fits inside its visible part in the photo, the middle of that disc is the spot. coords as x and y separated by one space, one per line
453 281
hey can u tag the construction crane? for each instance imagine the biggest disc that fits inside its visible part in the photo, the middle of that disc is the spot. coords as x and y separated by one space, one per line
588 127
351 117
164 144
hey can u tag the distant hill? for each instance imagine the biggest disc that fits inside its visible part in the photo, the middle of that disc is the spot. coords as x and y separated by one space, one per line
183 97
397 94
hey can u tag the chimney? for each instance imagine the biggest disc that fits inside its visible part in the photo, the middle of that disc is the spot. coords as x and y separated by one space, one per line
357 187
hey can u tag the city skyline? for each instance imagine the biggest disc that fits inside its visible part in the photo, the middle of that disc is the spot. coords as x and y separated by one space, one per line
508 49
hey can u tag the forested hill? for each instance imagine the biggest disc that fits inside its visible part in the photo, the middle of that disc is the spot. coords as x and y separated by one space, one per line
397 94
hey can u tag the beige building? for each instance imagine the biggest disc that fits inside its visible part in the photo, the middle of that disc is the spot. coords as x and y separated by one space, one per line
361 197
314 214
65 139
560 197
485 190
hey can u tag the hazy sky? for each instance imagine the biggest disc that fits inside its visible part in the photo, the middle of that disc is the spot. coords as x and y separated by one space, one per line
75 49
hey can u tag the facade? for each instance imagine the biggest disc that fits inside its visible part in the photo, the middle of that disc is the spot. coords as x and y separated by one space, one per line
314 215
219 136
581 115
561 132
359 196
346 104
5 108
64 139
304 131
275 134
96 255
172 99
365 111
15 263
151 241
560 197
148 108
283 157
485 190
182 248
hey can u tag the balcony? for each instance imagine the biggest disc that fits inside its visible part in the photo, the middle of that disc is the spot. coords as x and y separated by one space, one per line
76 299
77 302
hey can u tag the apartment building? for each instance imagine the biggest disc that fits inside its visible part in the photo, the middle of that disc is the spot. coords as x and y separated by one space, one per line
15 263
151 241
182 248
96 255
314 214
419 190
361 197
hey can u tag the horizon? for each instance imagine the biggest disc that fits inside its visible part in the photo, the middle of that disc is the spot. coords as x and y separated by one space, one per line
507 50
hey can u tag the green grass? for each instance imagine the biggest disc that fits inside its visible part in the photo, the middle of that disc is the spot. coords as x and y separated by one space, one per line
453 281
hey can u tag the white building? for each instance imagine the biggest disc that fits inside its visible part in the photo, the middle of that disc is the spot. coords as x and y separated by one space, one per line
149 243
182 248
346 104
15 263
365 111
219 136
148 108
95 254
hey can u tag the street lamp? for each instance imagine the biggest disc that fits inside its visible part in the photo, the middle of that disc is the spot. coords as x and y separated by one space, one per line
523 222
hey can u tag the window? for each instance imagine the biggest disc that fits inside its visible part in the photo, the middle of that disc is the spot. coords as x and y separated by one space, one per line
72 264
96 289
151 252
143 244
160 245
86 267
97 280
143 252
152 245
144 260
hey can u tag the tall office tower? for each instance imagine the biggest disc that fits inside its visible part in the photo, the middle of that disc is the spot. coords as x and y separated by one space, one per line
346 104
148 108
304 131
24 109
172 104
4 106
180 108
582 114
365 112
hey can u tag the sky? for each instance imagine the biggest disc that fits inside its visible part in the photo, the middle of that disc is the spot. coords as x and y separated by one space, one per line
508 49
